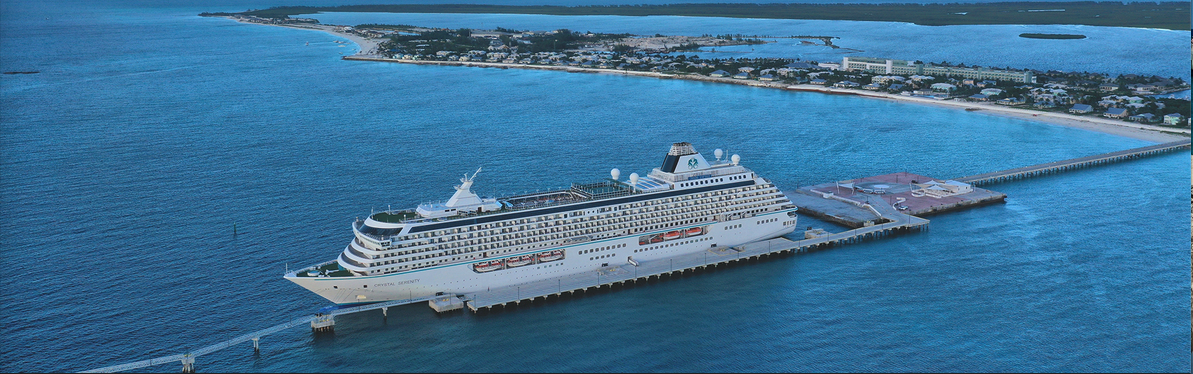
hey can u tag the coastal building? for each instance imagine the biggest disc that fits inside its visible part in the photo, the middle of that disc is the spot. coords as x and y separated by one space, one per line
1115 113
1107 87
872 87
741 76
1010 101
1173 119
846 84
818 81
992 91
766 77
719 73
938 189
1081 109
979 97
943 87
829 65
1143 118
903 67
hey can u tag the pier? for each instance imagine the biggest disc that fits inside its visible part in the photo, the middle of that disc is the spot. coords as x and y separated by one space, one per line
1071 164
639 271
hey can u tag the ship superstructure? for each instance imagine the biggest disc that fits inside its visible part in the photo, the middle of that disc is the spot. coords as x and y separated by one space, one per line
470 244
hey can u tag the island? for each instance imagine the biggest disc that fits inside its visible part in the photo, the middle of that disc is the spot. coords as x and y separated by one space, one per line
1124 104
1051 36
1162 15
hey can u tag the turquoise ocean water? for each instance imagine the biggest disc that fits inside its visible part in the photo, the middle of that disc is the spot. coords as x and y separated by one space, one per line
151 132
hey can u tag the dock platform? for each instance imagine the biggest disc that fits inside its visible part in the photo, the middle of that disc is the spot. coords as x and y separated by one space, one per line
628 273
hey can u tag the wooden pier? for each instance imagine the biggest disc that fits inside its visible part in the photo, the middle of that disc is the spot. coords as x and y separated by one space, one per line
1071 164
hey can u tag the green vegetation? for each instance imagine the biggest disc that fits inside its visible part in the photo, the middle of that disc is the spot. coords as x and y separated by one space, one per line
1165 15
396 217
1051 36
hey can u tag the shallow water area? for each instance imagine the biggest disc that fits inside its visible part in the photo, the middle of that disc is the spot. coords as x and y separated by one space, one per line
129 161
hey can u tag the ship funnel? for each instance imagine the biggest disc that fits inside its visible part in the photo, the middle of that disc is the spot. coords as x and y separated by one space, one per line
683 158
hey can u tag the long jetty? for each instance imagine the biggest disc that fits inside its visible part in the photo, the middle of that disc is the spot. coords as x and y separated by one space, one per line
1072 164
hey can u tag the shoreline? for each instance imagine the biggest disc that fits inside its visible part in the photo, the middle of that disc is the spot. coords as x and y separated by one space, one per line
367 52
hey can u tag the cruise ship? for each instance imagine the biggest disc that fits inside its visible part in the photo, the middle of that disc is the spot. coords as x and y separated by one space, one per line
471 244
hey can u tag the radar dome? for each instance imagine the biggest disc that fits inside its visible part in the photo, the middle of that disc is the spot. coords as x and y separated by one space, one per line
634 179
615 173
735 159
718 153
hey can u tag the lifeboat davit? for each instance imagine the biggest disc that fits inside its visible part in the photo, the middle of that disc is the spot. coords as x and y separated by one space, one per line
671 235
485 267
519 261
656 238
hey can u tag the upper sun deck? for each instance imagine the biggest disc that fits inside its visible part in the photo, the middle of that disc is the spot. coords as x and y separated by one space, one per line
578 193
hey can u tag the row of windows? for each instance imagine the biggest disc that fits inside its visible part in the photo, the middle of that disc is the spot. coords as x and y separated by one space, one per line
446 260
602 256
765 221
646 207
456 252
605 248
671 244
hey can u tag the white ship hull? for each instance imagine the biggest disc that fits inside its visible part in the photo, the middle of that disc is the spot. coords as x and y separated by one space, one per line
462 278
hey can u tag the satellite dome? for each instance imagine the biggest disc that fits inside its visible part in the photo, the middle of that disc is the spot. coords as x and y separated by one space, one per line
615 173
735 159
718 153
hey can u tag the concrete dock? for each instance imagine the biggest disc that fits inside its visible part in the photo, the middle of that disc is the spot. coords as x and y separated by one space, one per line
628 273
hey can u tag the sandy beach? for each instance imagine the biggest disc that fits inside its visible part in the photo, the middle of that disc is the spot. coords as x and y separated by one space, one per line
368 52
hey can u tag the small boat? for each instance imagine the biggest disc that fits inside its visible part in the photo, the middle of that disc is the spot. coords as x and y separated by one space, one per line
656 238
485 267
519 261
695 231
550 256
671 235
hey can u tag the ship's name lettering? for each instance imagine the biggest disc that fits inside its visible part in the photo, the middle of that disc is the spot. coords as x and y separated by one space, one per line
383 284
407 281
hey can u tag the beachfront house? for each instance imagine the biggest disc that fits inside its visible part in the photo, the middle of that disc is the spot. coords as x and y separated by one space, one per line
766 77
818 81
1172 119
872 87
741 76
847 84
979 97
719 73
1010 101
992 91
1143 118
943 87
1081 109
1115 113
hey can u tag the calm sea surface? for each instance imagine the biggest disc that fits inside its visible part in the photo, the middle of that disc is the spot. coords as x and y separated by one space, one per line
150 133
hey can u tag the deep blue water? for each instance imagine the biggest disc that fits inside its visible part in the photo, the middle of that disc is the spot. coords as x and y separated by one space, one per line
150 133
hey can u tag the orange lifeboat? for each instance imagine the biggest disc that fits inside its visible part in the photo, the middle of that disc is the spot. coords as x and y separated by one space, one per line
551 256
519 261
695 231
671 235
485 267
